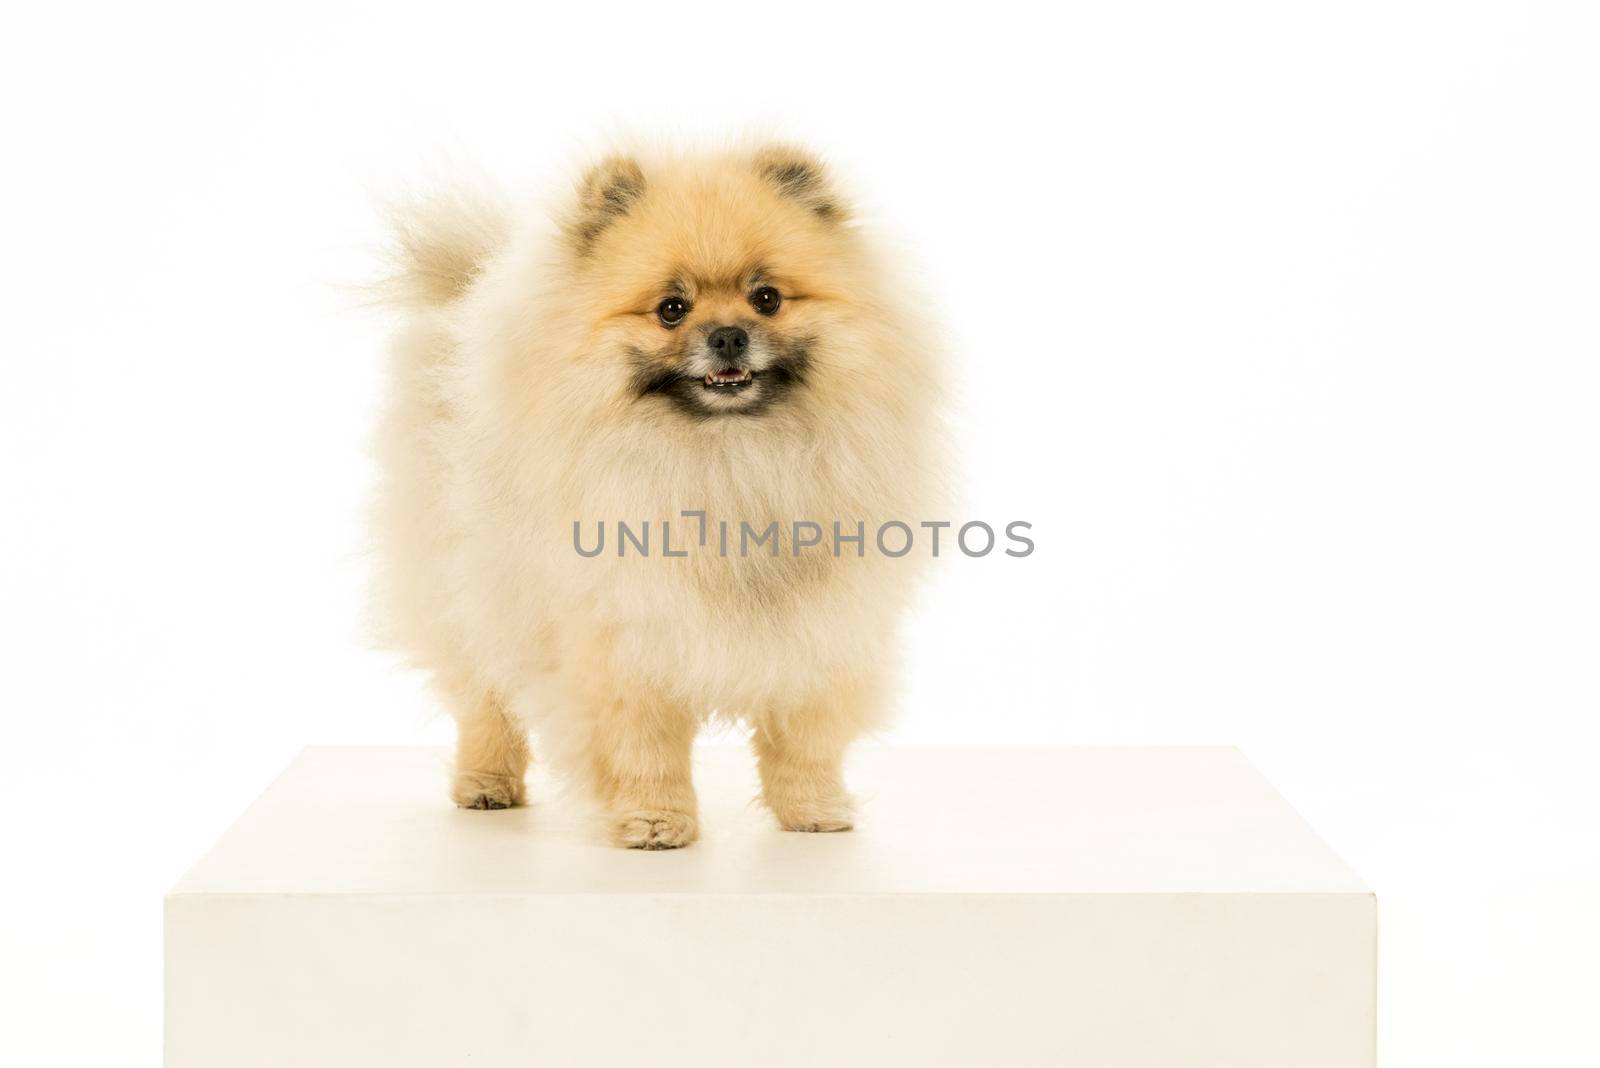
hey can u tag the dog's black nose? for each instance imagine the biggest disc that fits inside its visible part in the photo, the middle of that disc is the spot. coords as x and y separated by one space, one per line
728 342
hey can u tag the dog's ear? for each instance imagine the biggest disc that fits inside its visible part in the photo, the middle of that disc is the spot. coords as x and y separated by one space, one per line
607 192
801 177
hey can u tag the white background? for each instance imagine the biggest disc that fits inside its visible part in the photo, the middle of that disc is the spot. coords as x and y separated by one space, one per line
1278 321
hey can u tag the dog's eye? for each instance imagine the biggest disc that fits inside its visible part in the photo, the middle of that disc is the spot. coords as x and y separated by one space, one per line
672 310
766 300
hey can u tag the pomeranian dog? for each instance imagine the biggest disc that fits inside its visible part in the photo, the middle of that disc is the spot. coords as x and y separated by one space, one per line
695 342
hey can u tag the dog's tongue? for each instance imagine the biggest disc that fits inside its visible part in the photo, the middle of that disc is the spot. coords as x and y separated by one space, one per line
728 376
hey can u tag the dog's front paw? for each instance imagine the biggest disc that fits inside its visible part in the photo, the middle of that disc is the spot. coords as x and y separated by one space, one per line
483 790
654 829
817 814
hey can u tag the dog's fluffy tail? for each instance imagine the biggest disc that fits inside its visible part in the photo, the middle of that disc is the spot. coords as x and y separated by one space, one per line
439 242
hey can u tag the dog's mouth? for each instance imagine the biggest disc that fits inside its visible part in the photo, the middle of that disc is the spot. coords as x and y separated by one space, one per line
725 391
729 381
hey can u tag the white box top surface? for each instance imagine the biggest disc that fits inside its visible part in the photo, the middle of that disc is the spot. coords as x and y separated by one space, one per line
932 821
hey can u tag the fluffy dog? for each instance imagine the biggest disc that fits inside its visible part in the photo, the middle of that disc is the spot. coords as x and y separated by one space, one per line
700 332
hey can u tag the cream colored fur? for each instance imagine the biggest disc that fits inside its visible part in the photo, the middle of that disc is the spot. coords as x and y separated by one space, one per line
514 414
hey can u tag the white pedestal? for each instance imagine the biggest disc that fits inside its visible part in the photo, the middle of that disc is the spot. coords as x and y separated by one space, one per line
1105 907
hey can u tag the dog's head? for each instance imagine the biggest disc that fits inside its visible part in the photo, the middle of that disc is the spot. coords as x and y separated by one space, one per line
721 287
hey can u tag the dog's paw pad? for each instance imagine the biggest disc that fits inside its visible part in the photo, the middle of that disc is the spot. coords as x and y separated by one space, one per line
820 826
817 816
661 829
484 792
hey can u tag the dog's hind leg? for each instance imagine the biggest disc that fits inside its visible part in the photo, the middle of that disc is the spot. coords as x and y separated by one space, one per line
800 752
491 753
